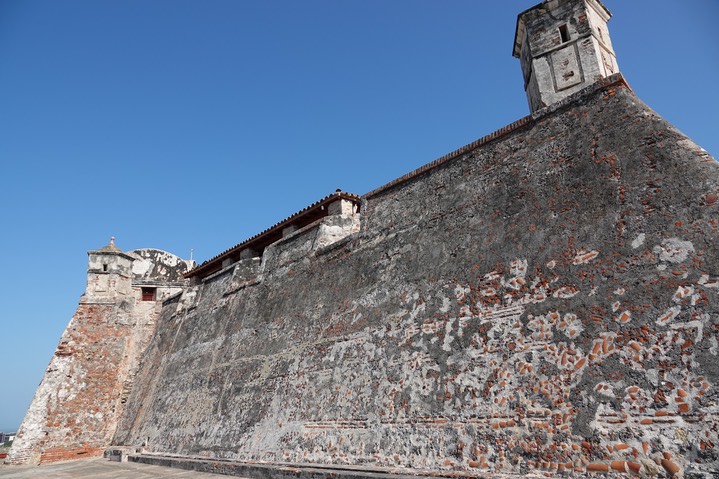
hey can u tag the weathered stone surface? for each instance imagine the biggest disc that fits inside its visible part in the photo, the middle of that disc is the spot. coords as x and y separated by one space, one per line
157 266
76 407
564 46
543 302
74 411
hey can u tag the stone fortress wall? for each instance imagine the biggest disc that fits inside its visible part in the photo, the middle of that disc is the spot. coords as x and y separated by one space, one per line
544 300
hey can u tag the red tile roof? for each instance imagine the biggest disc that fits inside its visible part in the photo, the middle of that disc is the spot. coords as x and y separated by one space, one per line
261 240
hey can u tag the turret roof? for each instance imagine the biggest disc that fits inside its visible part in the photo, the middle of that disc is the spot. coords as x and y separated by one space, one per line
111 247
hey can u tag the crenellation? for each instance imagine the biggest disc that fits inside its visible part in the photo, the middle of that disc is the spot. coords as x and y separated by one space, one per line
342 207
301 221
248 253
246 270
336 229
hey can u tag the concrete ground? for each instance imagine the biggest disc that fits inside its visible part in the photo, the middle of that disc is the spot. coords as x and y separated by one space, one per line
99 469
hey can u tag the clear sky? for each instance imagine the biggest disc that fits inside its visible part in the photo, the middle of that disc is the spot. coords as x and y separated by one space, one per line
193 125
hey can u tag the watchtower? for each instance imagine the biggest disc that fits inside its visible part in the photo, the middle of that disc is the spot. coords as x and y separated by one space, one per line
563 46
109 272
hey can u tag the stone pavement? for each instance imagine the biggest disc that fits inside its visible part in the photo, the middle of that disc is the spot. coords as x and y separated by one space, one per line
99 469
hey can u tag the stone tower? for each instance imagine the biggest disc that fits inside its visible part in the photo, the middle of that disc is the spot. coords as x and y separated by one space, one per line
76 407
109 273
563 46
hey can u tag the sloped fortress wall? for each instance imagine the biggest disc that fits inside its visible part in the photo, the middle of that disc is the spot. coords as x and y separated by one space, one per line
76 407
544 300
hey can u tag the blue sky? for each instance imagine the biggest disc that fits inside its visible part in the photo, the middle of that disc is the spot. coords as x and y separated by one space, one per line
185 125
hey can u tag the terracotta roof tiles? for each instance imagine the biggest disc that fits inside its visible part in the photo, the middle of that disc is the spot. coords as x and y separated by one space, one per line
263 239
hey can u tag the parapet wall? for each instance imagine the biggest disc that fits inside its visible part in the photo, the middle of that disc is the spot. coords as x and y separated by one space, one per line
545 302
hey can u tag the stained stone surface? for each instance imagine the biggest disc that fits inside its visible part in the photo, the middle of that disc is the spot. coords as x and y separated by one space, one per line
75 410
543 301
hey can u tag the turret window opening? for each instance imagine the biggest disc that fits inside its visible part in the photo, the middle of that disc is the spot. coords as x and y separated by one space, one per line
104 267
148 294
564 33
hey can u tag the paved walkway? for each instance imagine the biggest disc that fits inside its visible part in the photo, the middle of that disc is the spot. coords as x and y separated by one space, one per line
99 469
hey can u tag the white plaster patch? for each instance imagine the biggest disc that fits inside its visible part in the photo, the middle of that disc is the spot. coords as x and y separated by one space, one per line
605 389
460 292
695 299
698 325
410 331
431 327
541 326
448 336
639 240
141 266
669 315
515 283
708 282
570 325
682 292
508 314
417 310
674 250
566 292
653 376
518 267
584 256
445 305
492 276
714 346
625 317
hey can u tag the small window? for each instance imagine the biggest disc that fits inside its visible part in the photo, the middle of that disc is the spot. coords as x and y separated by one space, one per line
148 294
104 267
564 33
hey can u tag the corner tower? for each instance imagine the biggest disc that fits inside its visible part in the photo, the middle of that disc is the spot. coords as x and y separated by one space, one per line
76 408
563 46
109 273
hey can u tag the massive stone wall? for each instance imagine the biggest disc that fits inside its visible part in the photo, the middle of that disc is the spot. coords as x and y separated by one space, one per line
544 300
